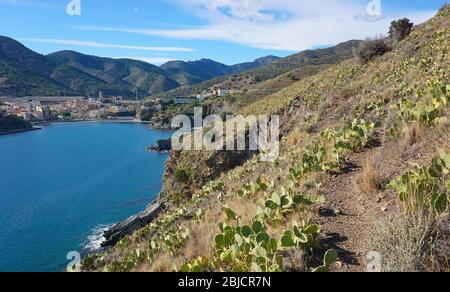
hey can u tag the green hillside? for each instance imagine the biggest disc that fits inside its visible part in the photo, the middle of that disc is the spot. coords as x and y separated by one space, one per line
25 73
187 73
120 75
302 64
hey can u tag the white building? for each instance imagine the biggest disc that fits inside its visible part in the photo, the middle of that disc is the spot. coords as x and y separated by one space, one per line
39 116
27 116
223 92
42 111
203 96
95 114
185 100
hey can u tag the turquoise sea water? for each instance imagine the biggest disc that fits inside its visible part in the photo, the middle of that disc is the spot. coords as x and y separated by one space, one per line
59 186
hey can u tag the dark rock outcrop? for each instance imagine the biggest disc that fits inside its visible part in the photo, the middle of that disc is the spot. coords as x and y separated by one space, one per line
206 166
130 225
161 146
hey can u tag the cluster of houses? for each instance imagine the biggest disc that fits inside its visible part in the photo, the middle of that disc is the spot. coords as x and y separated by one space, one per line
40 109
28 110
218 92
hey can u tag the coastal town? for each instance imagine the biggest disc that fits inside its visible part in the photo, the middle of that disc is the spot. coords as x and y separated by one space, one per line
38 109
42 109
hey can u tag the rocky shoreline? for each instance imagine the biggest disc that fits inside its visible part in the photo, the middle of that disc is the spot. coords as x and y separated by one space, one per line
19 131
132 224
136 222
161 146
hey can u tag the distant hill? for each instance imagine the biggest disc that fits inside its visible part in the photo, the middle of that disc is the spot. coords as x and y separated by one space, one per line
255 64
257 75
24 72
117 76
194 72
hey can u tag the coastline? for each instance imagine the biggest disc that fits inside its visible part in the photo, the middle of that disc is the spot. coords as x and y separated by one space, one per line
38 125
20 131
131 120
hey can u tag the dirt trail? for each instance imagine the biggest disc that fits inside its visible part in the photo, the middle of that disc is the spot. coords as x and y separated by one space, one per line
348 215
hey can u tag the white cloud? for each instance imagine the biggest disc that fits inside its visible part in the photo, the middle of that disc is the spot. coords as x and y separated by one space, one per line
253 10
151 60
33 3
290 25
90 44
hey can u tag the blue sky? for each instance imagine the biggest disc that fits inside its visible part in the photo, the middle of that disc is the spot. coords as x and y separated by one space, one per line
229 31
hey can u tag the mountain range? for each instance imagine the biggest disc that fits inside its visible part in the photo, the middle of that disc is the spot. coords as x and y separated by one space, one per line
269 73
24 72
187 73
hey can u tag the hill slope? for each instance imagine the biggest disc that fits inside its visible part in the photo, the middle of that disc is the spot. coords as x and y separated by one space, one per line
198 71
348 133
122 76
301 65
24 72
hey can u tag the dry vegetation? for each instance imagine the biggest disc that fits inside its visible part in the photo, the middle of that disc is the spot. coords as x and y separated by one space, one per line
351 131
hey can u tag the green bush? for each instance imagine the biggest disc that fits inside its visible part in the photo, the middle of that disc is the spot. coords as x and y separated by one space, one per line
184 176
369 50
426 188
400 29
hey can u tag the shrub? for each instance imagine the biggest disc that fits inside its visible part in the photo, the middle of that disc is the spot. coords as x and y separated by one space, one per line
184 176
404 242
369 50
296 261
400 29
444 10
426 188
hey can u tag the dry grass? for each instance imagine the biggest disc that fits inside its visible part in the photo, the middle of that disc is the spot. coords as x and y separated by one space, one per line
296 261
413 134
296 137
441 132
200 243
162 263
245 208
404 242
439 260
369 181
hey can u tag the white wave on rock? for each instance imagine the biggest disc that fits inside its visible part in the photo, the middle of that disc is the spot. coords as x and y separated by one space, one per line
96 238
